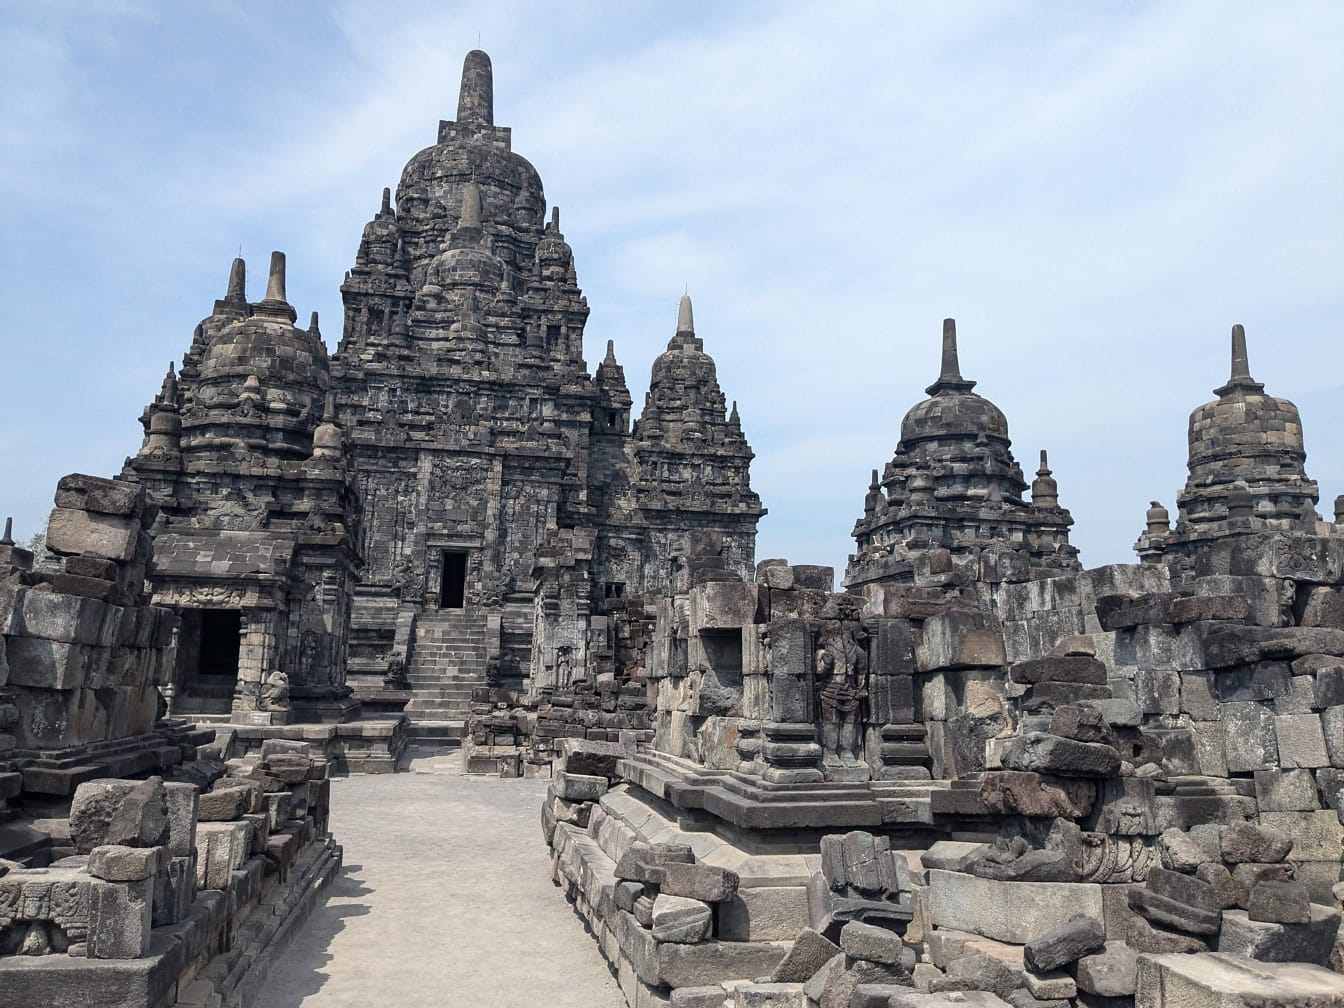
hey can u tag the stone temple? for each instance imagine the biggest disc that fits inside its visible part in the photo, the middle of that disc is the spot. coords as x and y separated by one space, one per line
979 774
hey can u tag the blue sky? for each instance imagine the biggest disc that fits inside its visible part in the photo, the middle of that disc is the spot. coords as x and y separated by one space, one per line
1095 191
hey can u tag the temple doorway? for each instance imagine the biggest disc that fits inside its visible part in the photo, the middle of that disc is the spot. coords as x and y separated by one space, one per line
210 642
453 590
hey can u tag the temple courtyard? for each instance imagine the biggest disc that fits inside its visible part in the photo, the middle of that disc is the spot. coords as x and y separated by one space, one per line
445 893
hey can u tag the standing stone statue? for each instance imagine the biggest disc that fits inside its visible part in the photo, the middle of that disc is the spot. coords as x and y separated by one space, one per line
842 672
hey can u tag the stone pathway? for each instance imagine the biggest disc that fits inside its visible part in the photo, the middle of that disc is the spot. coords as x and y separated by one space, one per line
445 899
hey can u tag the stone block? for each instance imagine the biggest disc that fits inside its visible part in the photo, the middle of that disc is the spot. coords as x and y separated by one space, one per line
579 787
1180 852
698 881
1013 912
1268 942
870 943
51 665
112 537
120 919
763 913
682 920
1248 842
1250 740
224 804
1314 836
1011 792
1225 981
1064 944
769 995
102 496
1246 876
715 962
960 639
1171 913
114 863
127 813
1301 741
808 954
1039 752
1286 791
948 999
1110 973
1186 889
1332 724
1064 669
1279 903
723 605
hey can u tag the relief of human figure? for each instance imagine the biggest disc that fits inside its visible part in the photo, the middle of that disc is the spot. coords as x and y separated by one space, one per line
842 672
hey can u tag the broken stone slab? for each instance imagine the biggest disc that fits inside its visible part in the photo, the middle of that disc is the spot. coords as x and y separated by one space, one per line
839 980
715 962
1220 879
1143 935
1279 903
1013 912
639 861
1269 942
1170 913
681 920
126 813
1064 944
1213 980
708 883
1015 792
1113 972
870 943
1043 753
1286 791
1186 889
111 537
809 952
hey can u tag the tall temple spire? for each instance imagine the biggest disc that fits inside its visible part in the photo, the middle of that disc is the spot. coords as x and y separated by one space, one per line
237 281
610 358
476 99
1240 377
685 318
386 209
949 375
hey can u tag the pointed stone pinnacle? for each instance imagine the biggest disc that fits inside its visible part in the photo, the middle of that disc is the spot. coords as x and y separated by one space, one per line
1240 377
610 358
685 317
1044 470
275 283
386 208
949 375
951 369
237 281
329 408
555 217
8 538
872 484
312 325
476 98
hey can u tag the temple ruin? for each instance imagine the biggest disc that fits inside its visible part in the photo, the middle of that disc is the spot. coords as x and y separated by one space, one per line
976 773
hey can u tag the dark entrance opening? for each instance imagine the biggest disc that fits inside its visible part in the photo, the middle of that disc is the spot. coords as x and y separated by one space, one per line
221 636
453 589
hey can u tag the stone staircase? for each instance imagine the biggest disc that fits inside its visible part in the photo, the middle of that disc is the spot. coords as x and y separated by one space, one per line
448 663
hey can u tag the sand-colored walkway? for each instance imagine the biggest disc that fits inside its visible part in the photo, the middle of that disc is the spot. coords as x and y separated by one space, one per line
445 900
